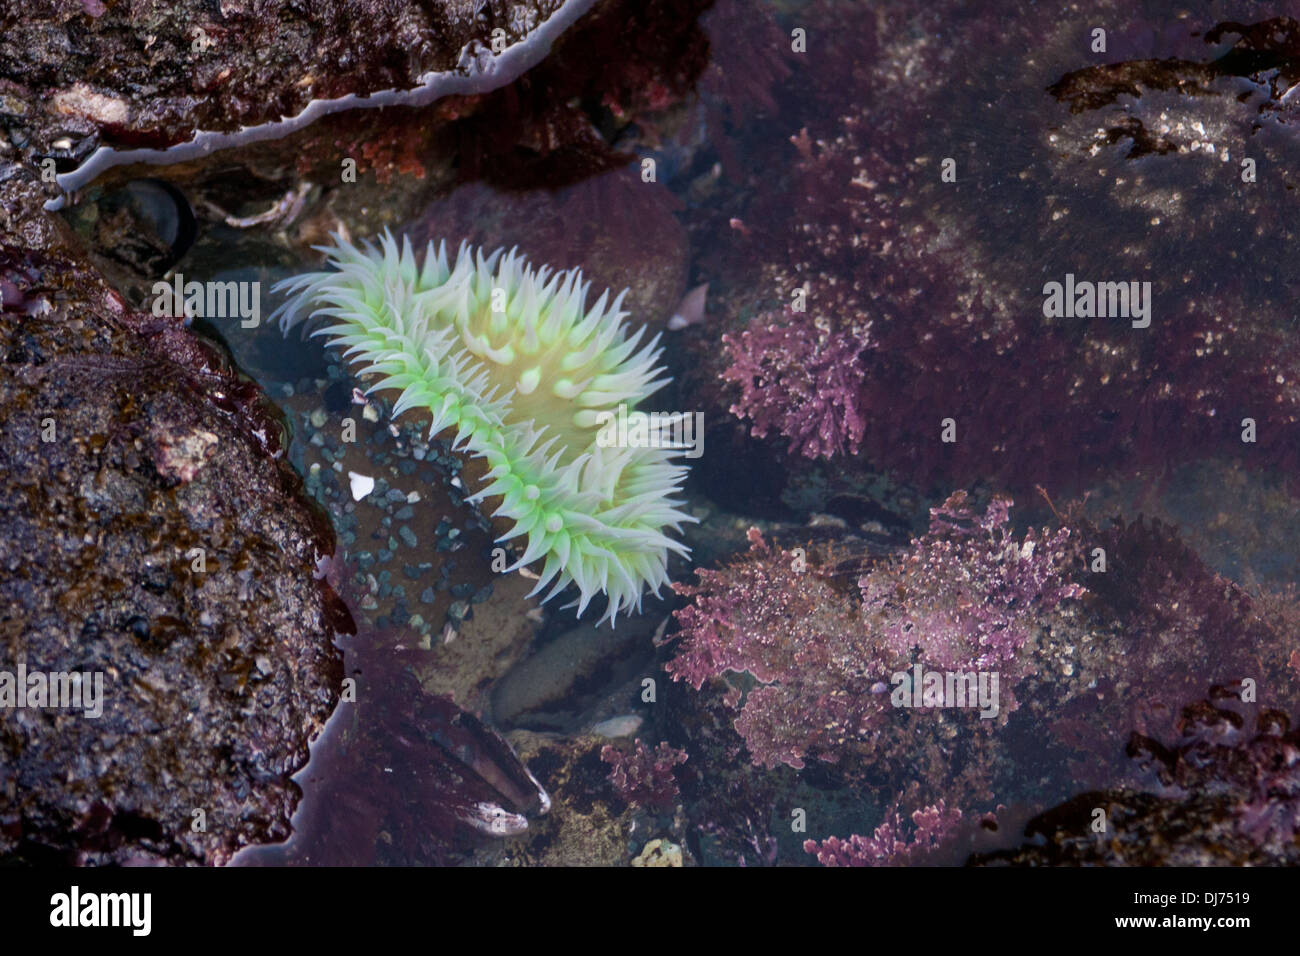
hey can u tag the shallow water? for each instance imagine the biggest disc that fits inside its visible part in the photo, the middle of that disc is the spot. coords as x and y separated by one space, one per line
922 174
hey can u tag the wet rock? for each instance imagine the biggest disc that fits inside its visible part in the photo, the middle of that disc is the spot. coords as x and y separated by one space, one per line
159 536
152 538
1223 794
152 74
1147 830
550 689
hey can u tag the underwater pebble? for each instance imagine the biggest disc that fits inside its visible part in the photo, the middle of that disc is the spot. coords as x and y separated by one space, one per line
362 485
318 418
408 536
623 726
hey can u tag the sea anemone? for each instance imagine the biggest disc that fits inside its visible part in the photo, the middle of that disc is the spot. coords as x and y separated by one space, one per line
526 374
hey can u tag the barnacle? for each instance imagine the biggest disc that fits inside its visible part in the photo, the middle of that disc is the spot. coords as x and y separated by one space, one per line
515 364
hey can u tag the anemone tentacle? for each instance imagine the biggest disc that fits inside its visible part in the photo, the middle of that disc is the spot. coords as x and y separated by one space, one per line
515 364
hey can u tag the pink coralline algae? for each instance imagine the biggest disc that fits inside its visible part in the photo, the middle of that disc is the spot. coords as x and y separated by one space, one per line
771 616
800 383
966 595
925 295
645 776
887 845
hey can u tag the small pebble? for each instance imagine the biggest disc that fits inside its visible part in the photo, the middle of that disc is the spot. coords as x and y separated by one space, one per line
362 485
624 726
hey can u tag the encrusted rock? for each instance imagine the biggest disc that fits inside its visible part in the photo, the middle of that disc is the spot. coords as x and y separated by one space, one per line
152 539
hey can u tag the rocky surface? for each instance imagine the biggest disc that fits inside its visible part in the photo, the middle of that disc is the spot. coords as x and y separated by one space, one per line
1223 794
153 72
149 532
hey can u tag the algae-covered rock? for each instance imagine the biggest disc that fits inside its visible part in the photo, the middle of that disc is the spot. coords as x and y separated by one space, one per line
152 540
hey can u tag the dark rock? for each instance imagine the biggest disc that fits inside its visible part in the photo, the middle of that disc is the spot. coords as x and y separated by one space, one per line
1223 794
152 74
550 689
127 443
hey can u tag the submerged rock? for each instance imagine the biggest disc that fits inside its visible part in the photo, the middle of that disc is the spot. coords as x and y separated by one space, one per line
151 539
1223 794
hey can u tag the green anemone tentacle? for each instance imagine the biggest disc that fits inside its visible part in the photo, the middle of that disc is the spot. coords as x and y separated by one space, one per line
517 366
